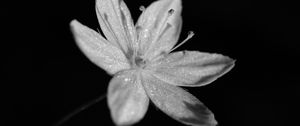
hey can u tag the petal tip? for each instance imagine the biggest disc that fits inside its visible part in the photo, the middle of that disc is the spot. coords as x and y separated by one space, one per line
74 22
202 115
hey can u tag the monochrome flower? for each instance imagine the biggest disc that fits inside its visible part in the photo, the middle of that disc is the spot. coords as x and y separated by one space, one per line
144 68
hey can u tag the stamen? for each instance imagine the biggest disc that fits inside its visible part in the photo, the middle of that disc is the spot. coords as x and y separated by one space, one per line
108 25
98 31
127 38
142 8
165 24
190 35
165 30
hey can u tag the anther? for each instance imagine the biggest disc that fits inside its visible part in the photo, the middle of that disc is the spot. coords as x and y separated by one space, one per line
171 11
190 35
142 8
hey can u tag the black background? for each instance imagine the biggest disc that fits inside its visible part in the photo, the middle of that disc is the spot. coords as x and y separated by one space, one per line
48 76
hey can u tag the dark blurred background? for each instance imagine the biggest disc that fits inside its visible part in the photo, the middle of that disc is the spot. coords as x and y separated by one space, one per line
48 77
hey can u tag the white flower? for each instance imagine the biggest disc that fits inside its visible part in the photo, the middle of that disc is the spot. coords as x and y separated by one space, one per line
139 56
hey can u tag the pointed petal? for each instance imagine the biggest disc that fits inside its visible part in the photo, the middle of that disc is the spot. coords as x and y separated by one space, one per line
159 27
127 99
177 103
98 50
192 68
116 23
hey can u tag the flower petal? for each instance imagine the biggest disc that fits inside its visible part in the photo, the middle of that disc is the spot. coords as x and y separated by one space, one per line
177 103
116 23
127 99
159 27
192 68
98 50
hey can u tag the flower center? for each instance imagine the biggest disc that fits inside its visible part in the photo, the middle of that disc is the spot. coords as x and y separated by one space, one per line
139 62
